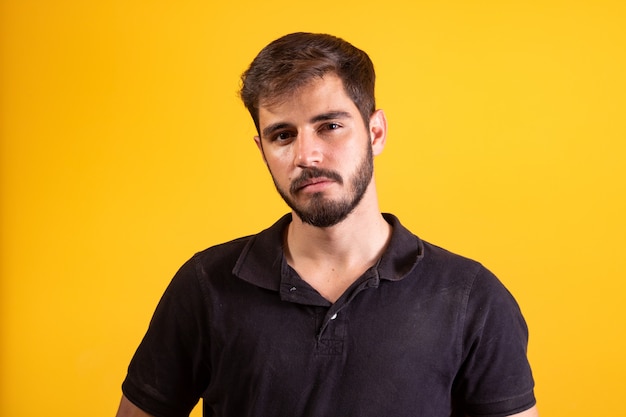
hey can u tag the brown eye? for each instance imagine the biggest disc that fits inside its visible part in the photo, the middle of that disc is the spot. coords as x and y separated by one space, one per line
331 126
282 136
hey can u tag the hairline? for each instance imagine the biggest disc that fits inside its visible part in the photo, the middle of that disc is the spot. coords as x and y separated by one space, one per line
270 100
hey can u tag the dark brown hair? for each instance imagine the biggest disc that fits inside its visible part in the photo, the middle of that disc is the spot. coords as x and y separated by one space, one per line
293 60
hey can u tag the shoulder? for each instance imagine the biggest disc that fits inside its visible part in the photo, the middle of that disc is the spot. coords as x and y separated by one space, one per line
442 269
446 260
474 288
255 259
408 255
223 253
481 287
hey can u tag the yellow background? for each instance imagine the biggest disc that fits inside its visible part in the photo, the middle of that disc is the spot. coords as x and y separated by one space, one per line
124 149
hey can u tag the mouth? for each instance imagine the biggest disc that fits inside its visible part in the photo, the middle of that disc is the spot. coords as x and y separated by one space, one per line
313 184
314 180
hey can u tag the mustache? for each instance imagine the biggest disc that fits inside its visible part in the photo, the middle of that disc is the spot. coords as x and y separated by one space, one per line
311 173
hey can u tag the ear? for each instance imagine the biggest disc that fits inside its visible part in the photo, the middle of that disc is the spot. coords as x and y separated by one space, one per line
378 131
259 144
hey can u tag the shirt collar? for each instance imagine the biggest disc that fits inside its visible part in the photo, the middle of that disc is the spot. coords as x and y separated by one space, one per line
261 261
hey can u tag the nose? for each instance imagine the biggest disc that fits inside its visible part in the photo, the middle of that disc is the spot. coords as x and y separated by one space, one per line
308 150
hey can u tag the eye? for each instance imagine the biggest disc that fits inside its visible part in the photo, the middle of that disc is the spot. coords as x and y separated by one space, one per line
331 126
283 136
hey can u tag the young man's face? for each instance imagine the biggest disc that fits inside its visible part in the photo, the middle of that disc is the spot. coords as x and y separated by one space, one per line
319 151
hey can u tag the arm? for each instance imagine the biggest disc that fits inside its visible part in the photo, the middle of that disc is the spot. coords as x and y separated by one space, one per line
531 412
128 409
168 372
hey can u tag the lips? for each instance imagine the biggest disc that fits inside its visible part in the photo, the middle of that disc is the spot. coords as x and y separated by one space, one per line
312 177
315 181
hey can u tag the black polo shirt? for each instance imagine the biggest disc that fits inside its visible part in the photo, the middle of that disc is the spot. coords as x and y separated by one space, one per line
422 333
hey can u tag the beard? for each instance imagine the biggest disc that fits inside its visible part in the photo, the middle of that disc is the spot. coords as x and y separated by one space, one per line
321 211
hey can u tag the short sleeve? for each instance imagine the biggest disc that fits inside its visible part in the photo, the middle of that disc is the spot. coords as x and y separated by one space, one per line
495 378
168 372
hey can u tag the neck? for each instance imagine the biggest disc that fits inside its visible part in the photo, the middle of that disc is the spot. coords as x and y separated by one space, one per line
364 229
332 258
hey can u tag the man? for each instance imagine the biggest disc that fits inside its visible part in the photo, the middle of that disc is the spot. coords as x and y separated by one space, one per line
337 309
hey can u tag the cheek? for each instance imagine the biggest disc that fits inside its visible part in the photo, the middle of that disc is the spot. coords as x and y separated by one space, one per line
278 167
281 159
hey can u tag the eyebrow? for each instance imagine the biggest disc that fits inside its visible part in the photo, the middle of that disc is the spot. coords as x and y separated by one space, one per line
272 128
333 115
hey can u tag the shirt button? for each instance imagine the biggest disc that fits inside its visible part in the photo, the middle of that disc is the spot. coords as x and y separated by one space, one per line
292 289
334 316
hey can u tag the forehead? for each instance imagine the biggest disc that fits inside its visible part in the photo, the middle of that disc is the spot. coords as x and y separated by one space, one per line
320 95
